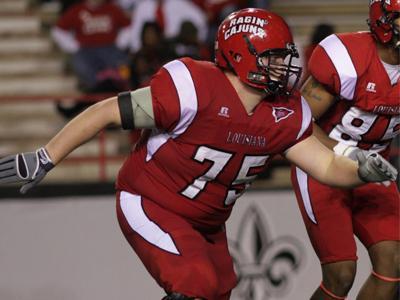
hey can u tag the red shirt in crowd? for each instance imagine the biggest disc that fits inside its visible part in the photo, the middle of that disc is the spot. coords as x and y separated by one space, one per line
94 26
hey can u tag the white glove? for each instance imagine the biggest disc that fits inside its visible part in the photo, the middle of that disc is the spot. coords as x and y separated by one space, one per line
351 152
27 168
374 168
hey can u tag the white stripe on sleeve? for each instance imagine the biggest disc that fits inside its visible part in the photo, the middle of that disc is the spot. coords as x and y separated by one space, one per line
187 94
307 117
341 59
188 103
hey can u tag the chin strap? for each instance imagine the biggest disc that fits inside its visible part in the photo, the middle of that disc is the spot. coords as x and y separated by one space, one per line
385 278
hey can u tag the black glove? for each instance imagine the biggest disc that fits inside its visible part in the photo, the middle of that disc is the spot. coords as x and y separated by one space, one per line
374 168
28 168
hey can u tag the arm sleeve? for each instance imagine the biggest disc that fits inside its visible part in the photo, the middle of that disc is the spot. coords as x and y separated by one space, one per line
332 64
323 70
136 109
165 100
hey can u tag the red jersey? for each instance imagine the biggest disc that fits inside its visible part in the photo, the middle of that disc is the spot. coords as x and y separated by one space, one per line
206 149
94 27
367 114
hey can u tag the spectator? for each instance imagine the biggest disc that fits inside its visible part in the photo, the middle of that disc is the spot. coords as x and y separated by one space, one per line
66 4
216 11
128 5
151 56
258 3
169 14
187 43
88 31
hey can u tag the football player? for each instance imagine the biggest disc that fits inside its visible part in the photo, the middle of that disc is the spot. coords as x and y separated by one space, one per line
212 129
354 95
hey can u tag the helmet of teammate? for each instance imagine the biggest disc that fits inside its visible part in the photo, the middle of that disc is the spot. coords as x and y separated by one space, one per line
382 14
258 47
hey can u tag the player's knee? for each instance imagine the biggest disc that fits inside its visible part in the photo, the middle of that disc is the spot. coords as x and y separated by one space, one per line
344 280
397 263
395 257
387 260
341 277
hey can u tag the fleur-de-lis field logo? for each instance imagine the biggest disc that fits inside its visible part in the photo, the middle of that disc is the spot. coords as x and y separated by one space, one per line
265 266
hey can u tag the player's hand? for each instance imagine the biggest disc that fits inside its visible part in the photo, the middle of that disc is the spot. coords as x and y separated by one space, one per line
351 152
28 168
374 168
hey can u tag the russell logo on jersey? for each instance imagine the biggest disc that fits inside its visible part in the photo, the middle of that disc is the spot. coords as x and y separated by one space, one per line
224 112
371 87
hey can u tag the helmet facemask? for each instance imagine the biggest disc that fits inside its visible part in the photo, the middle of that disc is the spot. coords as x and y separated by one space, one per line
382 22
389 20
275 70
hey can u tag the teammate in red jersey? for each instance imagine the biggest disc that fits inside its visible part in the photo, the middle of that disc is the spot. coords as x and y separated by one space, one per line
354 95
212 129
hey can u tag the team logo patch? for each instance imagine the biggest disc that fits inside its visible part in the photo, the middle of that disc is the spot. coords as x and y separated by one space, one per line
281 113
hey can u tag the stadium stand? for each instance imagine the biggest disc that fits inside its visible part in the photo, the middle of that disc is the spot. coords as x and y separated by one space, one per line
32 77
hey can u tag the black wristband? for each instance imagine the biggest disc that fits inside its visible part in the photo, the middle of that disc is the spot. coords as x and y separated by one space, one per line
126 110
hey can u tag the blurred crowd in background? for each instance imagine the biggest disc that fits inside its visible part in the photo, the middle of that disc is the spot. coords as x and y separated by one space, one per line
118 45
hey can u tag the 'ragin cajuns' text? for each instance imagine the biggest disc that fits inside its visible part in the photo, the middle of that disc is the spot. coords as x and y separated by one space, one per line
247 24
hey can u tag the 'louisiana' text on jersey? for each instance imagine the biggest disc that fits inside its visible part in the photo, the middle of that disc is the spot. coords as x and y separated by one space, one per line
245 139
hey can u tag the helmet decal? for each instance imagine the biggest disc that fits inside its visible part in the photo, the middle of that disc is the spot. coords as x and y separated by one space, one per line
249 24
